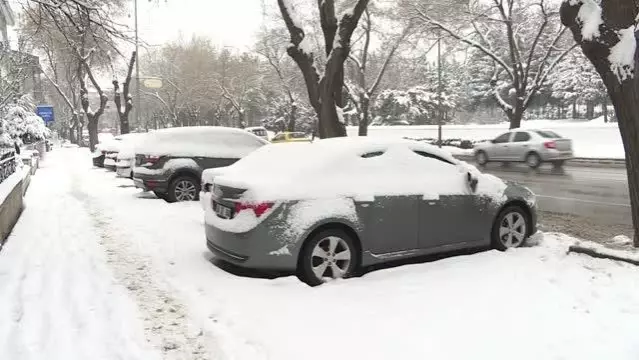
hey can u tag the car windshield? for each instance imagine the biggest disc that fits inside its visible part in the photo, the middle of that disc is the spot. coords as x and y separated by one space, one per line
319 179
548 134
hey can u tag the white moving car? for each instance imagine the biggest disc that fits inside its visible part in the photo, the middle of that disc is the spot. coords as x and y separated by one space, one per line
533 147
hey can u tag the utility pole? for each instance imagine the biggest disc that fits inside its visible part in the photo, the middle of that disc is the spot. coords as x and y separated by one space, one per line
439 91
137 68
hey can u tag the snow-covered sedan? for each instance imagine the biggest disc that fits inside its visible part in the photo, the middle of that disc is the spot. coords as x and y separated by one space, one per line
323 209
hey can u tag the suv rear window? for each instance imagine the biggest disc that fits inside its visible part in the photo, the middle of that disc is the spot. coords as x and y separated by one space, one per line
548 134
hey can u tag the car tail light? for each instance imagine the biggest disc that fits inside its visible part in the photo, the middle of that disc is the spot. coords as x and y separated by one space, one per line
259 209
550 145
150 160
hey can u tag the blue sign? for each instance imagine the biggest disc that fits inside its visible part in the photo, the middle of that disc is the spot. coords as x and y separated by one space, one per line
46 113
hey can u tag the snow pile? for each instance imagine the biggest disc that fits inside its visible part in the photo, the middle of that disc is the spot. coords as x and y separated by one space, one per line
622 55
207 141
20 124
352 168
590 17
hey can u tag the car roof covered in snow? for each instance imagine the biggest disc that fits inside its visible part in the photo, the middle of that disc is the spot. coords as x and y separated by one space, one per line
349 167
208 141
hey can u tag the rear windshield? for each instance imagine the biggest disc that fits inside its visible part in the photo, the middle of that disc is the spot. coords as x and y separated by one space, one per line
298 135
259 132
548 134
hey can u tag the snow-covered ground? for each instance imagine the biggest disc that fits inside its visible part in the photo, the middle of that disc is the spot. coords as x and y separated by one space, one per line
96 269
591 139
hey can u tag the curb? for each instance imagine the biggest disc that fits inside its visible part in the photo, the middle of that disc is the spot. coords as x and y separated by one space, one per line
578 249
578 162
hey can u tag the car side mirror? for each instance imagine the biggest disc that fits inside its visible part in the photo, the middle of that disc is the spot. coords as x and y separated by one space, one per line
472 181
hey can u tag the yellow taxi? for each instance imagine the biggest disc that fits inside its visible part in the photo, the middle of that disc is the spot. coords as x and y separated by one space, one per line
285 137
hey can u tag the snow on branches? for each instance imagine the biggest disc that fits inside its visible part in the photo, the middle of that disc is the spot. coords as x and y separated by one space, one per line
613 47
18 123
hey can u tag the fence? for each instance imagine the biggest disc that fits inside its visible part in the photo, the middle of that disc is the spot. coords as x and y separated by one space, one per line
7 164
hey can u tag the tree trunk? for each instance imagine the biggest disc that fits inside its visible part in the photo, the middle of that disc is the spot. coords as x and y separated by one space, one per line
292 118
363 121
92 126
590 110
575 115
330 91
626 104
125 128
604 109
515 117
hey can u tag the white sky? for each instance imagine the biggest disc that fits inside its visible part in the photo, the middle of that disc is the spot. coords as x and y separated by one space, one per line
227 22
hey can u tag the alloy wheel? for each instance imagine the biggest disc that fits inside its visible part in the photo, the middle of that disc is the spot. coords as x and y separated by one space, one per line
331 258
185 191
512 230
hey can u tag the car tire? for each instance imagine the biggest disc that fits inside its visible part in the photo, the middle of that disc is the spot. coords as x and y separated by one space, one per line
317 259
533 160
183 188
481 158
511 228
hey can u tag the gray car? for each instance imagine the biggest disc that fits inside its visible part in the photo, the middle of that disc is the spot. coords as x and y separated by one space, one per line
324 209
533 147
170 162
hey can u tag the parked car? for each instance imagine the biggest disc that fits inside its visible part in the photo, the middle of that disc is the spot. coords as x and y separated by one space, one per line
259 131
112 148
533 147
99 155
170 162
350 202
284 137
125 159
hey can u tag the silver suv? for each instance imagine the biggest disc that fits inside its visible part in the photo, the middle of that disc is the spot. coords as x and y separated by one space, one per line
533 147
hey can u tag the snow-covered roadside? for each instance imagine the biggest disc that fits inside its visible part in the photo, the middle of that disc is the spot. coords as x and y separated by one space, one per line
530 303
58 298
591 139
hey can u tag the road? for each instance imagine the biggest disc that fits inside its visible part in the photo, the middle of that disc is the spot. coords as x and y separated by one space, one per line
600 194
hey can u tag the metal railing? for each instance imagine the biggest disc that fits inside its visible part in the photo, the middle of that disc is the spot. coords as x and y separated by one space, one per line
7 163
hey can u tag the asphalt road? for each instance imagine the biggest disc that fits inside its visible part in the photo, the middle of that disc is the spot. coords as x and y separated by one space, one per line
594 193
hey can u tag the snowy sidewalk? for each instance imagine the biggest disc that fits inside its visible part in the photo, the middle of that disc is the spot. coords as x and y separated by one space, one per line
58 297
95 269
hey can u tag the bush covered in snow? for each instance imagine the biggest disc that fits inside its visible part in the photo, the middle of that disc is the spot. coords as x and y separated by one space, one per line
19 124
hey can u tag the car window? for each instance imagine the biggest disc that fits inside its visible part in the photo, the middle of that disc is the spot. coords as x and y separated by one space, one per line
297 135
548 134
521 137
503 138
278 137
432 156
372 154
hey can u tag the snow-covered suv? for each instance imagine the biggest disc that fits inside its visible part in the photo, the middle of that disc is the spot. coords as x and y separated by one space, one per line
170 162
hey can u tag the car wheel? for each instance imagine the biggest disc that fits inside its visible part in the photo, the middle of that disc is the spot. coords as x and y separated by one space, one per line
481 158
533 160
183 188
328 255
510 229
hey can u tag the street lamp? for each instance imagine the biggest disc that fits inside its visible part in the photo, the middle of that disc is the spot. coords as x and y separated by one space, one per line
137 67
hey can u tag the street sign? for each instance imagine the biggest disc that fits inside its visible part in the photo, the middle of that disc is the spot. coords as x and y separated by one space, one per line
46 113
153 83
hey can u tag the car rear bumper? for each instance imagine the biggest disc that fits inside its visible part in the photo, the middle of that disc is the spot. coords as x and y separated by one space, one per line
256 249
555 155
124 172
156 183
